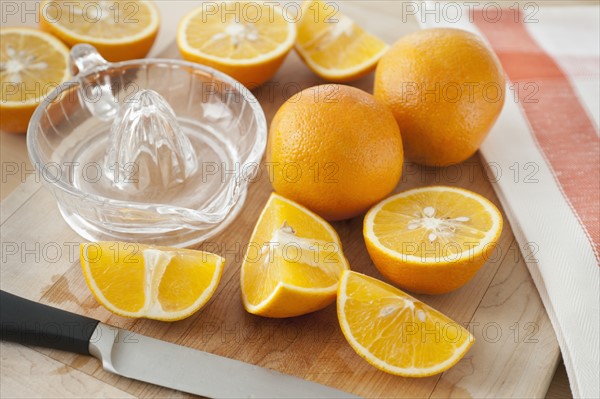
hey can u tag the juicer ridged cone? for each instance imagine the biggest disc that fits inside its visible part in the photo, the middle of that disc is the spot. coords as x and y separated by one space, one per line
146 138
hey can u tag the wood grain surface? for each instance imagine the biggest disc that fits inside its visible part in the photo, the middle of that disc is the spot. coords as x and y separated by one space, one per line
515 355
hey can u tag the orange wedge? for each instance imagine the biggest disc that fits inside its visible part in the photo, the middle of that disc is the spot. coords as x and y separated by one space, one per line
293 262
333 45
161 283
395 332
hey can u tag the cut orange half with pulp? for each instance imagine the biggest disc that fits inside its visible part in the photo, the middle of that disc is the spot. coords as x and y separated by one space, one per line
432 240
245 39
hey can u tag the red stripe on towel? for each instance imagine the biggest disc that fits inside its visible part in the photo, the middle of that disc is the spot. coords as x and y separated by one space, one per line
566 135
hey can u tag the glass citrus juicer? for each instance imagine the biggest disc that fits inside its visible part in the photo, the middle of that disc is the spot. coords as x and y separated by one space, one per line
157 151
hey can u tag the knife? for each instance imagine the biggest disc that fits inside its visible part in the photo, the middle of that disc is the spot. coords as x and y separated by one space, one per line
147 359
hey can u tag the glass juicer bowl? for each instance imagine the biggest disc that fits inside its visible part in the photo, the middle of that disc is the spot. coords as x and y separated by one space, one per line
157 151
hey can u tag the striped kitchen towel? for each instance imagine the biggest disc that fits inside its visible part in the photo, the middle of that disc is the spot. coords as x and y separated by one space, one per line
545 150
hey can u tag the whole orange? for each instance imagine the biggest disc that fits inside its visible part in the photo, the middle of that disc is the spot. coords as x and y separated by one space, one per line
334 149
446 89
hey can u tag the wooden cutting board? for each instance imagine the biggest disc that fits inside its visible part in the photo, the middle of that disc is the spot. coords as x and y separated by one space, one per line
515 353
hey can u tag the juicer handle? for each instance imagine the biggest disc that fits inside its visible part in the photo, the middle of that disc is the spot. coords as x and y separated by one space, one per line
83 58
97 95
31 323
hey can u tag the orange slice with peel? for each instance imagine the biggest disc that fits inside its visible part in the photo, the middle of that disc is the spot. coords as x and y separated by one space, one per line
293 262
395 332
161 283
333 45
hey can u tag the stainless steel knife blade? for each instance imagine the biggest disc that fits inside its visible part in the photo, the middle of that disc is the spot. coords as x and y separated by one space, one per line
162 363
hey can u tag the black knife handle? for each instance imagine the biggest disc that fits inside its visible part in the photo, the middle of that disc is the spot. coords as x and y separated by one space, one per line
31 323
